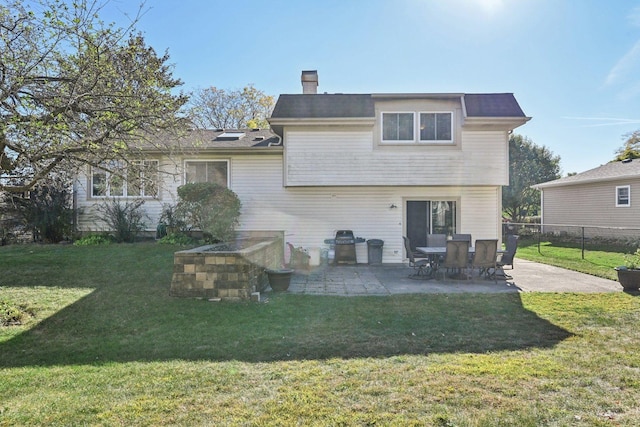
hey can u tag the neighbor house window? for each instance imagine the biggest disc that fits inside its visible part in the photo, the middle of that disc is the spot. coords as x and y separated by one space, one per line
135 179
623 196
398 127
214 171
436 127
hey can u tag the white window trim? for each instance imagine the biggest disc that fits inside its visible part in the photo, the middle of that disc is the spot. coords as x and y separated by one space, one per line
618 204
184 168
124 183
436 141
398 141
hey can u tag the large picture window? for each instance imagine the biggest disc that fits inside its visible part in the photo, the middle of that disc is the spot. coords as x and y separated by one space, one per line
135 179
623 196
436 127
214 171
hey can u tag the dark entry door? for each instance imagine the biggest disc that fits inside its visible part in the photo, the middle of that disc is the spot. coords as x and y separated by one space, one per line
417 222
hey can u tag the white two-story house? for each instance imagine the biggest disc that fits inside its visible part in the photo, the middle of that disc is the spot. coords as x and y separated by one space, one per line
382 165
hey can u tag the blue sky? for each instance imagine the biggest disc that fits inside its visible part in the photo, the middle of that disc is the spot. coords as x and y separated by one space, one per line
573 65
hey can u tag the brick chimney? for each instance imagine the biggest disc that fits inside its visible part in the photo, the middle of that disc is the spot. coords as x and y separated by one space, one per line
309 82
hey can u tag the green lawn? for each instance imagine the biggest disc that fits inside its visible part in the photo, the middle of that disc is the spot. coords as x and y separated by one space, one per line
108 346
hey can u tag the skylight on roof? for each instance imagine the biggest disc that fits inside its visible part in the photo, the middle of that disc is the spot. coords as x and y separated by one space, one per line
230 136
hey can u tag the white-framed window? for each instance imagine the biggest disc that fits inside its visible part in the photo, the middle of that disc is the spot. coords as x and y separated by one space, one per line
137 178
214 171
436 127
623 196
398 127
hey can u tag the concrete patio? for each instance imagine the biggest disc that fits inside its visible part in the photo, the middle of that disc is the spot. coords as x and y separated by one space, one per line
391 279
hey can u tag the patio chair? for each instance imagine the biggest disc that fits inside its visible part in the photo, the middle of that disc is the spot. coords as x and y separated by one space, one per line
484 258
512 247
421 266
466 237
457 256
436 240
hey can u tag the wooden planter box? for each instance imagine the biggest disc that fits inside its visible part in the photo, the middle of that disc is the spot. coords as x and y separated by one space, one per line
629 279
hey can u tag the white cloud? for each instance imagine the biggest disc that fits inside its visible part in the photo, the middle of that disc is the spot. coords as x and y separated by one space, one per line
604 121
625 66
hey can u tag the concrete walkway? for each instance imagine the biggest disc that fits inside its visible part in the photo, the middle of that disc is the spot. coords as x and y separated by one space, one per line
391 279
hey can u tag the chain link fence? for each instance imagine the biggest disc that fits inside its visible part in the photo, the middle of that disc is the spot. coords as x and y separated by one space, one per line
586 237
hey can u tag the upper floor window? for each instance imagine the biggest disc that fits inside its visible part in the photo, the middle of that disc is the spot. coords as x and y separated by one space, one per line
436 127
623 196
136 179
433 127
214 171
397 126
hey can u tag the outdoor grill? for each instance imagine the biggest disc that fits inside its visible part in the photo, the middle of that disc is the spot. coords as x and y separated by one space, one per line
345 247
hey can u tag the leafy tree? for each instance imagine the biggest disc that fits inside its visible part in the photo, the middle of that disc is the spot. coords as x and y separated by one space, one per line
76 91
211 208
631 147
529 164
212 108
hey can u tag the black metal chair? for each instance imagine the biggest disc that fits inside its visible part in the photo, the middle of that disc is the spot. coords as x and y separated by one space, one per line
421 266
509 255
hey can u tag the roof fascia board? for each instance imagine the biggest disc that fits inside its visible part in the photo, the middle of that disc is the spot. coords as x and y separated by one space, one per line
417 95
553 184
505 122
339 121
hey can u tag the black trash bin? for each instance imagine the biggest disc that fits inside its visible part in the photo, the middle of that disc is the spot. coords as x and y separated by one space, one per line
374 251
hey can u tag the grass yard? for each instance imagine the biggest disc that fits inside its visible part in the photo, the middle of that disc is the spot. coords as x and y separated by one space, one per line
106 345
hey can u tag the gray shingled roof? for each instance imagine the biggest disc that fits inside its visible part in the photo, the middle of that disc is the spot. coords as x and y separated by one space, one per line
323 106
492 105
362 105
607 172
210 139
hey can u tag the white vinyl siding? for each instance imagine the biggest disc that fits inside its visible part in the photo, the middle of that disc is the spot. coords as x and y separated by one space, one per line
590 204
347 158
308 215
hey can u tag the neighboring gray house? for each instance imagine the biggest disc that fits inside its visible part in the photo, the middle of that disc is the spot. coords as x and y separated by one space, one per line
607 196
382 165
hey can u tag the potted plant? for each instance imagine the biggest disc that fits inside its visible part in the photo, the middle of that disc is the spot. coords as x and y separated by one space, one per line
629 273
279 279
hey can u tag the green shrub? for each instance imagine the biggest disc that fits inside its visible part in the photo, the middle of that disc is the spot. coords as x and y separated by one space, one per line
46 210
177 239
125 220
94 239
211 208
